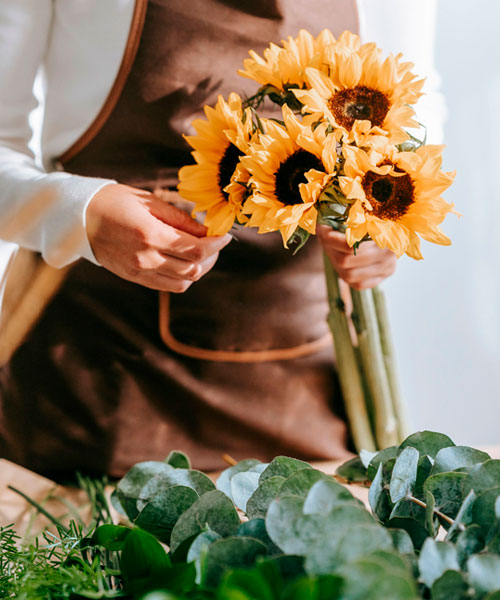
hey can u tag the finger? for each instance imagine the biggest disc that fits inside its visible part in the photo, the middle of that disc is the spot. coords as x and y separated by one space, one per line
174 242
370 257
185 269
368 284
163 283
359 276
175 217
333 239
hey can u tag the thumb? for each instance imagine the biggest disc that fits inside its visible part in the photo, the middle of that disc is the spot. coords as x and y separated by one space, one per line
177 218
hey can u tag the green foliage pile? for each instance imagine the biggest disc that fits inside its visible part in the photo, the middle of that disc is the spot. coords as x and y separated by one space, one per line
434 532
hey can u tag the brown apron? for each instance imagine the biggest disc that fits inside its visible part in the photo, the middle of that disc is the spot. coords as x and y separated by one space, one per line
243 364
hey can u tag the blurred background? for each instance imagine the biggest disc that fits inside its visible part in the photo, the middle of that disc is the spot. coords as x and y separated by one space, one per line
445 310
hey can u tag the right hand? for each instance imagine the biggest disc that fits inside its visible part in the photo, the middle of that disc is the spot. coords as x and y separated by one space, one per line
148 241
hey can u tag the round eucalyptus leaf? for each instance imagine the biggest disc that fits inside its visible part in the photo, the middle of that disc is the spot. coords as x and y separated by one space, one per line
256 528
457 457
283 466
380 457
427 442
484 476
367 578
450 585
300 482
259 501
483 510
178 460
289 528
344 545
223 482
353 471
325 495
214 509
436 558
243 485
229 553
484 572
404 474
448 490
469 542
130 485
161 512
401 540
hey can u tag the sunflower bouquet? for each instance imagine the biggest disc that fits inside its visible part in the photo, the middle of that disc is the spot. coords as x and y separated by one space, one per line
338 153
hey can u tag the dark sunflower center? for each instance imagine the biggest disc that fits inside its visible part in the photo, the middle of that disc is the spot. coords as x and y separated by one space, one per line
227 165
291 174
389 196
359 103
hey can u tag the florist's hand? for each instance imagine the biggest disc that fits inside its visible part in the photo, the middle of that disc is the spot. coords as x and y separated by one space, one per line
143 239
369 267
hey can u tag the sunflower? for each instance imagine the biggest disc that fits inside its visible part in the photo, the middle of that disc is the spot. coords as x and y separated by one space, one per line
289 167
396 196
362 93
285 65
216 183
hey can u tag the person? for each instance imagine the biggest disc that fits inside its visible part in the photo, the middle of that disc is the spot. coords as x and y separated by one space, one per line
94 386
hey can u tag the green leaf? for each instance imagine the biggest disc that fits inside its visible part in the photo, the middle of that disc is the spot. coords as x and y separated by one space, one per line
436 558
369 579
325 495
283 466
243 485
451 585
111 537
345 544
448 491
161 512
484 477
198 547
259 501
423 471
289 528
410 517
223 482
250 583
381 457
178 460
376 489
457 457
427 442
256 528
484 572
430 521
213 509
366 457
464 515
116 504
300 482
129 487
404 474
196 480
401 541
290 566
352 471
469 542
483 510
324 587
229 553
143 562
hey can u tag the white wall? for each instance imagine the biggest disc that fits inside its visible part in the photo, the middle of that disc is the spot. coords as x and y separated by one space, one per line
446 309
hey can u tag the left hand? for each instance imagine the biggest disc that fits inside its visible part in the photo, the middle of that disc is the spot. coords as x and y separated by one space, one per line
369 267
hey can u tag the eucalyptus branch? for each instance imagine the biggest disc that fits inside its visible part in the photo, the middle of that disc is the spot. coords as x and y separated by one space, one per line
438 513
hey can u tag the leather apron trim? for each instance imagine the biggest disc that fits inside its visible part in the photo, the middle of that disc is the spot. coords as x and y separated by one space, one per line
243 356
134 37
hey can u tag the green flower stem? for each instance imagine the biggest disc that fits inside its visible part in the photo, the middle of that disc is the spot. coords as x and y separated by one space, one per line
365 321
399 406
347 365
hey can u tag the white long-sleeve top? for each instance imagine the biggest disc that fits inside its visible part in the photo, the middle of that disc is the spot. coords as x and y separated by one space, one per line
76 47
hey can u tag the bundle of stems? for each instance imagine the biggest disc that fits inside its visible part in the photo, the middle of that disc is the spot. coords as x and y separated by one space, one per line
366 366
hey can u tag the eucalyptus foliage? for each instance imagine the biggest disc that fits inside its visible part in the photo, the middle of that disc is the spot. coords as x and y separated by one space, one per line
286 531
